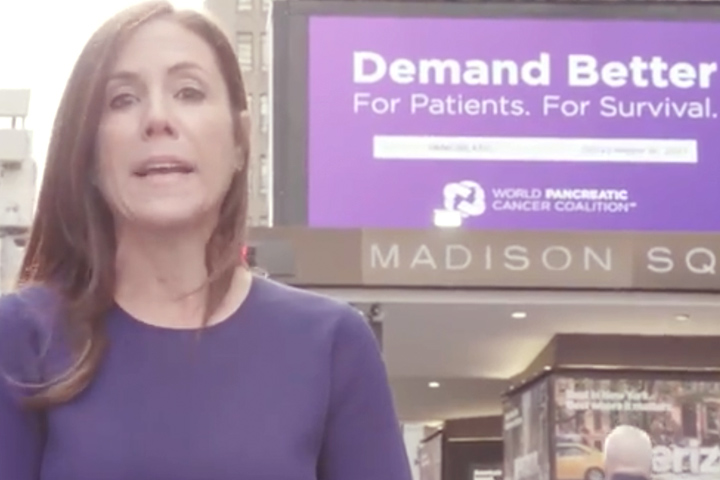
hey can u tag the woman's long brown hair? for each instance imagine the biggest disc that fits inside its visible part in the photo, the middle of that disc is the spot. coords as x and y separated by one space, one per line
72 244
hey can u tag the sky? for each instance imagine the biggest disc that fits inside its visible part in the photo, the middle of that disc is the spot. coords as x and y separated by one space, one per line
40 41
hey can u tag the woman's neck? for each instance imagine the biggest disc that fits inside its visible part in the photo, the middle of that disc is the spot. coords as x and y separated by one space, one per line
162 280
164 267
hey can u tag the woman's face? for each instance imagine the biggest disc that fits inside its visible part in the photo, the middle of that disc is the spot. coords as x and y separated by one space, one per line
166 149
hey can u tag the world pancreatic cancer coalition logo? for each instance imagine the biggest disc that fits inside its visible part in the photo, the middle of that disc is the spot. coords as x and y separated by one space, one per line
461 200
467 199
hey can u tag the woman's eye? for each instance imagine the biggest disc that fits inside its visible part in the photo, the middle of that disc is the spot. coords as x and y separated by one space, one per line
121 101
190 93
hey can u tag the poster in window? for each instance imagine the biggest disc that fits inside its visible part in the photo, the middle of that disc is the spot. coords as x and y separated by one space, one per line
681 417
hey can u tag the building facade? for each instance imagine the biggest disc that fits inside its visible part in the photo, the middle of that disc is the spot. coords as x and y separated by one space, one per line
17 182
245 22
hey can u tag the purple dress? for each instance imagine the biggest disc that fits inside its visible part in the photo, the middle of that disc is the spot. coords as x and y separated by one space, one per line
291 387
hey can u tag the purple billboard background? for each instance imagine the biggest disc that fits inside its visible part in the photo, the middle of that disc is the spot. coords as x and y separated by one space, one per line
348 188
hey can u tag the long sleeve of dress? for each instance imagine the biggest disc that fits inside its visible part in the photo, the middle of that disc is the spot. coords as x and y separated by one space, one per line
20 433
363 439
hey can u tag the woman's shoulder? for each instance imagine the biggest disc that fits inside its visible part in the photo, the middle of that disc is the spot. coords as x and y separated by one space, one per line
26 319
271 293
27 310
310 310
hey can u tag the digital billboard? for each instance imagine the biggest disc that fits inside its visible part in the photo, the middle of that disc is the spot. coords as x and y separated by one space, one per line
512 124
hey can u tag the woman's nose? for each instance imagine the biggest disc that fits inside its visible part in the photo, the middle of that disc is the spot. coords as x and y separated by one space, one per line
158 121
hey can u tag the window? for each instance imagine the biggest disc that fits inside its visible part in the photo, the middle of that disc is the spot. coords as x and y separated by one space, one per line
597 420
265 51
245 51
251 178
264 113
264 174
244 5
250 104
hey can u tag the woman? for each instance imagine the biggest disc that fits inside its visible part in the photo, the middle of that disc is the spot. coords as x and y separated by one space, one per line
139 347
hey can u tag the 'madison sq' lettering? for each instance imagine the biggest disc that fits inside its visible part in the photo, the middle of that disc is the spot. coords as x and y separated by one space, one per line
582 71
513 258
698 260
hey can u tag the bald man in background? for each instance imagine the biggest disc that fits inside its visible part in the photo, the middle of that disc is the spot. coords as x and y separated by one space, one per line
628 454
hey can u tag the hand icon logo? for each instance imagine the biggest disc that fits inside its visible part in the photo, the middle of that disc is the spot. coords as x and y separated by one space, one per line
466 197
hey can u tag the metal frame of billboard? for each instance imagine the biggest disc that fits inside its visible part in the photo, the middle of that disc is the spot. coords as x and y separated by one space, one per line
289 70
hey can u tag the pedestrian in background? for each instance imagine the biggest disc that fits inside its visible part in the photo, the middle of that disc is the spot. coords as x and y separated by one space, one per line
628 454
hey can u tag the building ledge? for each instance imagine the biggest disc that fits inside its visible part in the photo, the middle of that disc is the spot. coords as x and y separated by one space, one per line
15 146
14 103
